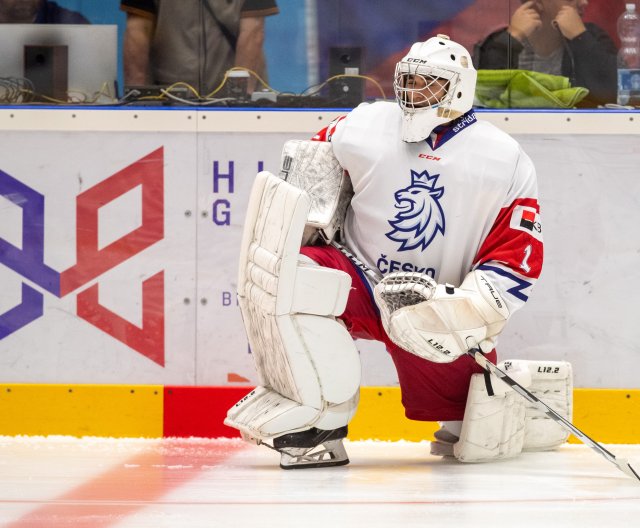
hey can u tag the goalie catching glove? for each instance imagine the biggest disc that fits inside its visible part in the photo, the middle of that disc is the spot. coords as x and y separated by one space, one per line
439 322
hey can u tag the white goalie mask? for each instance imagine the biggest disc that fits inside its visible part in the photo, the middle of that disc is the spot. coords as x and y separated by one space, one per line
434 84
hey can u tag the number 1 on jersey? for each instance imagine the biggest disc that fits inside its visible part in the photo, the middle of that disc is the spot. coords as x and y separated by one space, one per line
524 265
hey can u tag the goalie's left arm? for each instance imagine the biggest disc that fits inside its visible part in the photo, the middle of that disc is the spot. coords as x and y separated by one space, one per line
511 253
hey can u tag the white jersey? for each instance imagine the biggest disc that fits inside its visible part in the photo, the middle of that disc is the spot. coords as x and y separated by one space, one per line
464 198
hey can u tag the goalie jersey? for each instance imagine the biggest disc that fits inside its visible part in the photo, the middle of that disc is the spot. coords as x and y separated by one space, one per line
463 199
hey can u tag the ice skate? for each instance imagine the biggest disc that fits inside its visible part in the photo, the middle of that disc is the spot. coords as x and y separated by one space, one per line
313 448
443 443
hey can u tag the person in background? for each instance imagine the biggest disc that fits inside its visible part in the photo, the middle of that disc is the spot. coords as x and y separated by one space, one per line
549 36
193 41
37 12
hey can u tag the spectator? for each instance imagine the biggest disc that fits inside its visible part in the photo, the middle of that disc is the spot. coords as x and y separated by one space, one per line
549 36
37 12
192 41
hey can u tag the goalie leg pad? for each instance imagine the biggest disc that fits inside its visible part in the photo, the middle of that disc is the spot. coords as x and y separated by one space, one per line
551 383
493 425
503 425
263 413
308 364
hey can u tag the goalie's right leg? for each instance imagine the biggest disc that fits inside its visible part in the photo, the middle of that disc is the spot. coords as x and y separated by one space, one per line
308 364
498 423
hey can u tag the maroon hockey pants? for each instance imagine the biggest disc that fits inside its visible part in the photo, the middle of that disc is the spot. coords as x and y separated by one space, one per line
430 391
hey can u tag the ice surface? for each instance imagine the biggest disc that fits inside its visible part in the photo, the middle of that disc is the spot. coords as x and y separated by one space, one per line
99 482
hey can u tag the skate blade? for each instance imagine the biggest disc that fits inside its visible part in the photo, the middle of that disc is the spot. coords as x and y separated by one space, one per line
329 454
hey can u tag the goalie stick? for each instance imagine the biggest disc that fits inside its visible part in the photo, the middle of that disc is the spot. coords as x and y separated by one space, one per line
373 276
621 463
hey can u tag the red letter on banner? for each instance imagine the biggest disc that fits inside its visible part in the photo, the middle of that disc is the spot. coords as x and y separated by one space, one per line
148 340
93 262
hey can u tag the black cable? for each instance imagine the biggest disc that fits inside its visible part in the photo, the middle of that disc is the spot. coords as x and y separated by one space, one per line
202 58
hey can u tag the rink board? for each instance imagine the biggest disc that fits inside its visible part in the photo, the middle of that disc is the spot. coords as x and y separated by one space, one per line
119 239
607 415
120 230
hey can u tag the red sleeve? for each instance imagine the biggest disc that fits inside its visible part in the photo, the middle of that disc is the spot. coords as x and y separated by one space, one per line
511 254
327 132
515 240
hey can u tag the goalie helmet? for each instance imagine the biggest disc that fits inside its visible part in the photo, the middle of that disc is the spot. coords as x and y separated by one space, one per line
434 84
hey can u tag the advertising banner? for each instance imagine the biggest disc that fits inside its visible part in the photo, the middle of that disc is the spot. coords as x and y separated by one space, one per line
119 249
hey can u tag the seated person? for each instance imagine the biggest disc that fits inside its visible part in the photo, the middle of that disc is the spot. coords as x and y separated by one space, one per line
37 12
549 36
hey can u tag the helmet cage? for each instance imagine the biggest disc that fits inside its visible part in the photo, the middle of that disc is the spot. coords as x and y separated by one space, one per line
427 92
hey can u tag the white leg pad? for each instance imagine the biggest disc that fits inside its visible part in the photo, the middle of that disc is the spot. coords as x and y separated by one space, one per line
308 364
261 413
503 425
551 383
493 426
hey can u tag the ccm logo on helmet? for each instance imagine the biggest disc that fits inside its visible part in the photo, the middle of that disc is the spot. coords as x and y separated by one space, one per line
419 61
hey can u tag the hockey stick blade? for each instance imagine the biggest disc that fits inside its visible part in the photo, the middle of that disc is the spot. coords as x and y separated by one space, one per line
620 463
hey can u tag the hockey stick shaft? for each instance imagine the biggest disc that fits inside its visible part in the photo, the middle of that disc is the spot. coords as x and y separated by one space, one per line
373 276
480 358
621 464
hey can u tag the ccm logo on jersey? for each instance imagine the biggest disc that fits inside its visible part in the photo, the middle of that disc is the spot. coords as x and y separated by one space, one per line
528 220
429 157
